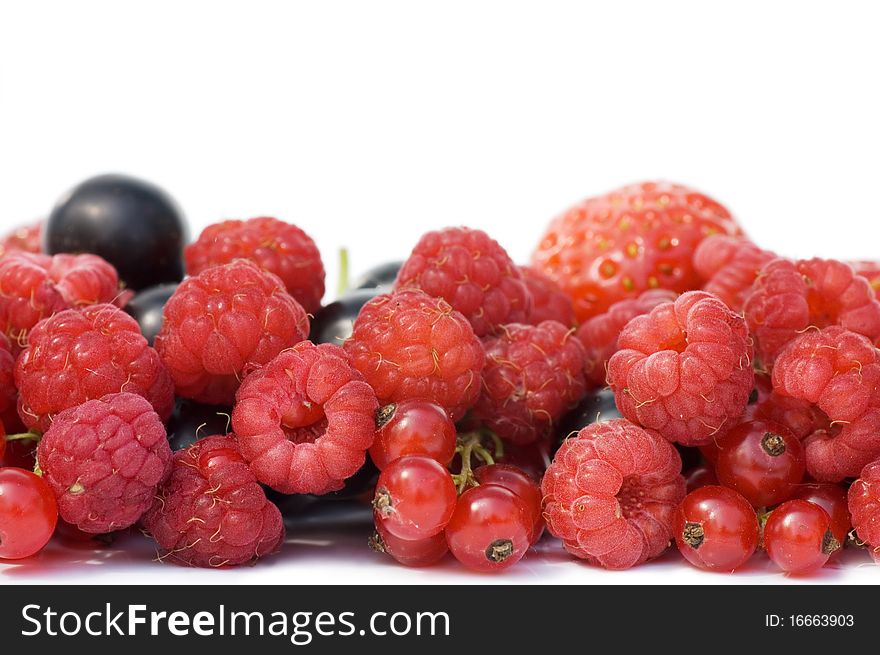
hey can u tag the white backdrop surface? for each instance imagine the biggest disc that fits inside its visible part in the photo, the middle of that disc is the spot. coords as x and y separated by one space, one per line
369 123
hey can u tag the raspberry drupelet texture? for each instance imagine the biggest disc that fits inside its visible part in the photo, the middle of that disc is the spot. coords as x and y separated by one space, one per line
472 272
870 271
305 420
212 512
730 265
635 238
532 377
800 416
599 334
272 244
864 507
34 287
790 297
549 301
26 238
103 460
611 493
684 369
221 324
79 355
839 371
411 345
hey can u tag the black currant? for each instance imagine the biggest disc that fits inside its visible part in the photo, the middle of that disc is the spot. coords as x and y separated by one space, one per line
382 275
147 308
191 421
333 323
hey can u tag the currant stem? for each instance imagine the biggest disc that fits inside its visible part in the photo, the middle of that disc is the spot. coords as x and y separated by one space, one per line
23 436
343 283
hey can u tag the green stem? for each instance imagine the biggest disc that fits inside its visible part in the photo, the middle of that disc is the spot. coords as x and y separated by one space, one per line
343 283
23 436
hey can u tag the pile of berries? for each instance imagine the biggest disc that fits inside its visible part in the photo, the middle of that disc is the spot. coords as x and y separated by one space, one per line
651 377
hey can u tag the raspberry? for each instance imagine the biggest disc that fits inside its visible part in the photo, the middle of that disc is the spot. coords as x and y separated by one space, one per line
222 323
635 238
305 420
549 302
611 493
789 297
27 238
730 266
410 345
211 512
532 377
839 371
684 369
34 287
8 392
76 356
472 273
275 246
864 507
599 334
870 271
103 460
799 416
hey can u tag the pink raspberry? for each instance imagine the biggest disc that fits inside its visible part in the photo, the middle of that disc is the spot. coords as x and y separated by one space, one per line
275 246
730 265
79 355
599 334
305 420
549 301
472 273
864 507
533 376
684 369
221 324
789 297
870 271
839 371
211 512
34 287
103 460
611 492
410 345
27 238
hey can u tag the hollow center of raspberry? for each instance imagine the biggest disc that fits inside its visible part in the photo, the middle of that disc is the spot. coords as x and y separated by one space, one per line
631 497
304 422
677 342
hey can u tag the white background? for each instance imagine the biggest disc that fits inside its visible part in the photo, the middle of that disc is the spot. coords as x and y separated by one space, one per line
369 123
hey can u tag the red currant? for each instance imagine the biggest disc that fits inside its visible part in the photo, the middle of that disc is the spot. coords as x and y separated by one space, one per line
28 513
798 537
700 476
716 528
413 427
762 460
520 483
415 497
832 498
420 552
490 528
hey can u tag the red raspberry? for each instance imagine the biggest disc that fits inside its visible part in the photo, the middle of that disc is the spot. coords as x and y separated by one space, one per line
789 297
611 493
599 334
410 345
8 392
222 323
730 266
864 507
305 420
549 301
684 369
34 287
839 371
76 356
870 271
211 511
275 246
532 377
472 273
801 417
27 238
103 460
635 238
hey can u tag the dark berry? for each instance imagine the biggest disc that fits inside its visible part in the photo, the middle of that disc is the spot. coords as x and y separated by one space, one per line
191 421
382 276
333 323
147 309
132 224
